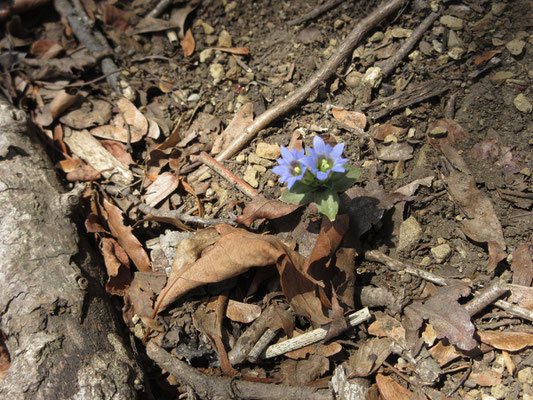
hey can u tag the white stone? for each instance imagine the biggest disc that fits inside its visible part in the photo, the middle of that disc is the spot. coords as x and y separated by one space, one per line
452 22
217 72
268 151
515 47
522 103
250 176
410 233
441 252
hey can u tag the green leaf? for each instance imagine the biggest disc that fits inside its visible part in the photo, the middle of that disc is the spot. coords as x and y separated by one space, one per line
288 196
346 180
299 187
327 202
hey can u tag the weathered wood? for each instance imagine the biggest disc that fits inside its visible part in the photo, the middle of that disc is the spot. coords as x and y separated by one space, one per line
63 337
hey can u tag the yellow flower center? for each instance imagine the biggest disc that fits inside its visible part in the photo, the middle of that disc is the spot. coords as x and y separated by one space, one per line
324 164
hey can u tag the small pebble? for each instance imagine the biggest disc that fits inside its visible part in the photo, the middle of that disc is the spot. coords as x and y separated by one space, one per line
224 39
441 252
217 72
452 22
268 151
438 131
515 46
250 176
522 103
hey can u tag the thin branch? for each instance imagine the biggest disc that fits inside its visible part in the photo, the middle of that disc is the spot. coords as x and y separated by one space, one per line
222 388
303 92
315 12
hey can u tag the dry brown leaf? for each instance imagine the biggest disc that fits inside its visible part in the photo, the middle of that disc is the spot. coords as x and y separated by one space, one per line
99 114
387 326
395 152
369 356
238 311
83 173
411 188
488 377
481 223
5 358
179 16
45 49
390 390
118 150
509 363
118 267
522 265
455 132
242 119
452 321
522 296
506 340
188 43
161 188
261 207
301 372
133 117
317 348
115 17
444 353
112 132
61 102
382 131
353 119
242 51
125 237
138 298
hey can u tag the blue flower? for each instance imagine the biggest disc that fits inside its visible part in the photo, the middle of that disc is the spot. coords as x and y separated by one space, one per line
290 167
324 159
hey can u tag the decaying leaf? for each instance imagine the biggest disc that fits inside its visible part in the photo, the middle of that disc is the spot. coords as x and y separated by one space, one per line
522 296
390 390
481 223
118 267
411 188
384 131
453 132
353 119
387 326
139 296
238 311
188 43
320 349
98 112
304 371
61 102
446 315
161 188
125 237
507 340
444 353
488 377
522 265
46 49
179 16
137 124
395 152
242 119
261 207
369 357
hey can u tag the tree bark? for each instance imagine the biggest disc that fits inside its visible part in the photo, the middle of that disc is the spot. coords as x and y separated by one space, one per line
63 336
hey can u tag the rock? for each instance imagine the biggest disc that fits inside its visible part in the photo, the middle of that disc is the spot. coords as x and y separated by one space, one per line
526 171
522 103
250 176
441 252
400 33
515 46
259 168
372 77
353 79
437 46
438 131
231 6
499 391
224 39
205 176
217 72
525 375
425 48
206 55
208 29
410 233
255 159
501 76
498 8
338 24
454 41
241 158
452 22
376 37
456 53
268 151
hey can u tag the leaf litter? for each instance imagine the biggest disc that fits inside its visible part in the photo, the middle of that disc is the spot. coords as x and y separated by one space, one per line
284 253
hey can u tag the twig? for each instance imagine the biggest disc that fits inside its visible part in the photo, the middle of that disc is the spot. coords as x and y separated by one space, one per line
315 12
486 296
261 345
222 388
409 43
449 111
225 173
314 336
159 8
84 35
303 92
462 380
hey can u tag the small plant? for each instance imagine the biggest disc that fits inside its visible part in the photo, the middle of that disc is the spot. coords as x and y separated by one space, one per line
316 176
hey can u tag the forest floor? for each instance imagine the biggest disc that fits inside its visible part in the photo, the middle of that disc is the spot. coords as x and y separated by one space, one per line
441 214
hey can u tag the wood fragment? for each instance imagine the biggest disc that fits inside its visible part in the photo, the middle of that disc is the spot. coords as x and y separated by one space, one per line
222 388
303 92
314 336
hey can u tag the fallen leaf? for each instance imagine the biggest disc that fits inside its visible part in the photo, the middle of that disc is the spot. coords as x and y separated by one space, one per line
139 296
506 340
522 296
385 130
390 390
481 223
117 265
125 237
301 372
261 207
238 311
395 152
83 173
522 265
319 349
484 150
179 16
509 363
161 188
444 354
46 49
486 56
243 51
118 133
370 356
454 132
411 188
98 112
5 358
133 117
60 103
486 378
353 119
387 326
242 119
188 43
115 17
451 321
118 150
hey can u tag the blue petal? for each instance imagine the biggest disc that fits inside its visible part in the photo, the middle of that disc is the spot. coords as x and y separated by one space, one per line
322 175
286 154
337 168
319 145
336 152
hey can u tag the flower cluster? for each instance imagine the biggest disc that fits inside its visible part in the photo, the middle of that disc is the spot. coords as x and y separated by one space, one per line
315 176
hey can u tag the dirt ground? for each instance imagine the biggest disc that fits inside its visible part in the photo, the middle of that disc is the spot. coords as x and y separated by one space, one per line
471 137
